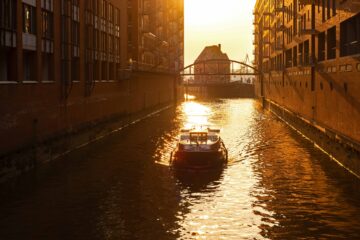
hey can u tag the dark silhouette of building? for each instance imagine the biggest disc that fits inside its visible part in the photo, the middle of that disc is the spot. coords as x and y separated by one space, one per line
219 65
67 65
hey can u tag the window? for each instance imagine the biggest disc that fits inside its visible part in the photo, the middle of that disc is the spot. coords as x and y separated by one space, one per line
306 53
331 43
75 33
47 67
29 64
295 56
96 39
7 66
104 9
47 4
350 36
321 47
301 47
103 42
323 10
111 71
111 13
104 71
288 56
328 7
117 22
29 16
111 44
116 46
47 24
70 39
75 69
8 14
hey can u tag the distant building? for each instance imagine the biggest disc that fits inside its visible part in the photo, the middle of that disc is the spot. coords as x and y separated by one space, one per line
203 69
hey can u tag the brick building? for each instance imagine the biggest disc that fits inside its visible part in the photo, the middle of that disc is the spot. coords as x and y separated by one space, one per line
308 53
219 64
66 65
156 33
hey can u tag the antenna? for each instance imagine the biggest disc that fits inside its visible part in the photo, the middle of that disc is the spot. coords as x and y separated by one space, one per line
247 61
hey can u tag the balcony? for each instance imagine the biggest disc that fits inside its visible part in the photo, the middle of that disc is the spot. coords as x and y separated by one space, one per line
146 29
280 28
309 32
306 2
266 56
279 48
280 9
266 13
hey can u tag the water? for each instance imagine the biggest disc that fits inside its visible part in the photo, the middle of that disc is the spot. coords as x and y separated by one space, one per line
275 186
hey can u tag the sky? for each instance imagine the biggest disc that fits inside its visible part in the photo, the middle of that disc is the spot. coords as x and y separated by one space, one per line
225 22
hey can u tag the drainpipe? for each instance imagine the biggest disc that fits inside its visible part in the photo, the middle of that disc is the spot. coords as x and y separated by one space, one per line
313 85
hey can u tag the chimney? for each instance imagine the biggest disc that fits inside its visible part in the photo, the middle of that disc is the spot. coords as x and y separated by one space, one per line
219 45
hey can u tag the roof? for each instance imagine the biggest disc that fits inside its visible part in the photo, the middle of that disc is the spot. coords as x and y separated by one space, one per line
212 52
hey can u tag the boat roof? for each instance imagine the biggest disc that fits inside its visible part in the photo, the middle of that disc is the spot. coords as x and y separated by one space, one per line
200 130
199 136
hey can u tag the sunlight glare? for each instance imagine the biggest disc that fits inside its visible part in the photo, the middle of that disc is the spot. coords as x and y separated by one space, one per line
196 114
212 22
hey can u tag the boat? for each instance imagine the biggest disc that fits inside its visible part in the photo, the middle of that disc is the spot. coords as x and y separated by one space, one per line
199 148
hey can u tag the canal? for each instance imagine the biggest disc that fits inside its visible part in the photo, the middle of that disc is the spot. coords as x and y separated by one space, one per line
275 186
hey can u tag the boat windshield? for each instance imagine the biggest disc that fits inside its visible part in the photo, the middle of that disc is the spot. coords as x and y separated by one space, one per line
213 138
198 137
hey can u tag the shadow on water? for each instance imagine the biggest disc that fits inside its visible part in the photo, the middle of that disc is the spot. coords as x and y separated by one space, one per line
198 180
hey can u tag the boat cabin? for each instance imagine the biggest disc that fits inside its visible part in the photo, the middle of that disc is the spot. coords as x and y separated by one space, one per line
196 136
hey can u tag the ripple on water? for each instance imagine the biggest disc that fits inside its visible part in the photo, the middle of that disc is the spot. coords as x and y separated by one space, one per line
276 185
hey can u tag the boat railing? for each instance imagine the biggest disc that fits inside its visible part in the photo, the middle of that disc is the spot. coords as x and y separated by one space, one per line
225 149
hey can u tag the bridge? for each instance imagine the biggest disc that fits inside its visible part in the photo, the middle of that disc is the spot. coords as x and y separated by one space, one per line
219 78
218 71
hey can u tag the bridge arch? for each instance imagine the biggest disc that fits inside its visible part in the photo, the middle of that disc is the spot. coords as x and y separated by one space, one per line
190 69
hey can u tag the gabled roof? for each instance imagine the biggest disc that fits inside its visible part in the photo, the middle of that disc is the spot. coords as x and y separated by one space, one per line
212 52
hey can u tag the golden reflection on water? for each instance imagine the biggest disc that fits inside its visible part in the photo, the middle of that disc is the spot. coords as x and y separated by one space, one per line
219 203
189 97
189 114
254 196
196 114
275 186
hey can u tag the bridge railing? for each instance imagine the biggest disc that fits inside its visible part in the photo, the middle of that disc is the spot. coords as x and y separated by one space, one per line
218 71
